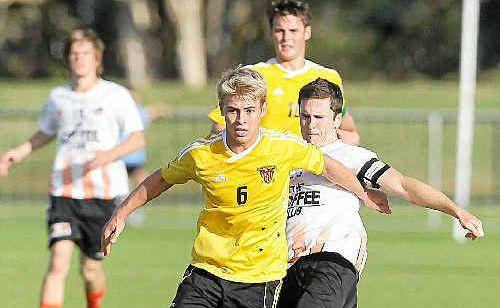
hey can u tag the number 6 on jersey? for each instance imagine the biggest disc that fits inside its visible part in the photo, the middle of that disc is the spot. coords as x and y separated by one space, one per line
241 195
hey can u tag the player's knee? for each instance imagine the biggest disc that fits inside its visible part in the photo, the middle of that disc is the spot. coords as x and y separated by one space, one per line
91 272
59 270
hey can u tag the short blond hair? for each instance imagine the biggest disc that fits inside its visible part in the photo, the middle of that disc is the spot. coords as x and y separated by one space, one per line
85 35
241 82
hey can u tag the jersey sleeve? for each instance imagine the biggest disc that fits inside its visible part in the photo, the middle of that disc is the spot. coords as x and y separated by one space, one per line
180 170
128 114
216 116
369 168
48 119
308 157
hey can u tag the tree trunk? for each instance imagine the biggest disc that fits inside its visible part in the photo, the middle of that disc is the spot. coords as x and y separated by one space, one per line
215 33
191 53
131 45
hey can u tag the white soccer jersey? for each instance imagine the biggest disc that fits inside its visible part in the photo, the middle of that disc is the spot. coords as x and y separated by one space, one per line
324 217
84 123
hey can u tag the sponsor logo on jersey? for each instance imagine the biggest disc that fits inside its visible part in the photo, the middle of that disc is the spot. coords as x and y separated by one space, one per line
300 198
267 173
220 178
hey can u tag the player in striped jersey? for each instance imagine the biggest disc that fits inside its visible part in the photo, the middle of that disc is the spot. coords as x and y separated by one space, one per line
326 237
240 250
290 70
86 117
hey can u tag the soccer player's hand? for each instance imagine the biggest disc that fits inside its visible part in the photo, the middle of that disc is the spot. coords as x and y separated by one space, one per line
379 200
111 232
472 224
7 160
100 159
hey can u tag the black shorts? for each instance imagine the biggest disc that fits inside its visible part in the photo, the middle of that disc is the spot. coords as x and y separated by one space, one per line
200 288
80 221
324 279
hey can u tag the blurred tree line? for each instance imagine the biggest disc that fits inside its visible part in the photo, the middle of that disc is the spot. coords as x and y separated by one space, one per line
193 39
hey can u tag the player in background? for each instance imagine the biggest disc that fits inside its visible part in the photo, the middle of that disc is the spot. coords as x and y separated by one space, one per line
86 117
326 237
239 253
290 23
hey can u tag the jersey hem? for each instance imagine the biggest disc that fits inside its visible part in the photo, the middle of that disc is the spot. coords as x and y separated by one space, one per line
235 278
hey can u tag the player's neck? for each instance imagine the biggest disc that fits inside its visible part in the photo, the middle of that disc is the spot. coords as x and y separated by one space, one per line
332 138
293 65
84 83
239 147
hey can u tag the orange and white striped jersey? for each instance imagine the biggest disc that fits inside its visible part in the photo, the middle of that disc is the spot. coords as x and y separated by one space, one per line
84 123
323 217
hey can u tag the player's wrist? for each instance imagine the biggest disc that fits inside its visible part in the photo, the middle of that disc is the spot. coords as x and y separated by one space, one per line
458 212
121 214
22 151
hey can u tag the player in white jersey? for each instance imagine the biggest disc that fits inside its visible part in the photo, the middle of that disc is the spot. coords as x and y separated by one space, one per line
87 118
326 237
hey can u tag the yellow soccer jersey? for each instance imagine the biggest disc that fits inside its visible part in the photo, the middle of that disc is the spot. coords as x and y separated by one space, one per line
283 88
241 230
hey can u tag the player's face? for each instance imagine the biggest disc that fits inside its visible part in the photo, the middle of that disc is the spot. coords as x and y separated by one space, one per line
83 60
317 122
242 117
289 37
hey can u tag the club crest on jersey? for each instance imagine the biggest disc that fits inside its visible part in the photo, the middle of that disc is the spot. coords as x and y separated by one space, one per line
267 173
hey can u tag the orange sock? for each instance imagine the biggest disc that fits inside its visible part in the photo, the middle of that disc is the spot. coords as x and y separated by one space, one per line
45 305
94 298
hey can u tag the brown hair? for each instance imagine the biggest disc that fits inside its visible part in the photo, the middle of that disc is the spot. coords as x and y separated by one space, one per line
300 9
322 88
84 35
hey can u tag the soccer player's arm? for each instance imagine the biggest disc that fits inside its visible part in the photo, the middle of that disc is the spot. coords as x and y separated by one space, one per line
311 158
178 171
45 134
149 189
339 174
421 194
130 123
134 142
218 122
19 153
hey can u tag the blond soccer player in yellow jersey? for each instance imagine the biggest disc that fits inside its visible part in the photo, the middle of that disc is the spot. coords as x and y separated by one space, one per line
289 71
239 254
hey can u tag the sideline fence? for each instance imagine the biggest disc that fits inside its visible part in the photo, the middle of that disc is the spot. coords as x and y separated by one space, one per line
418 142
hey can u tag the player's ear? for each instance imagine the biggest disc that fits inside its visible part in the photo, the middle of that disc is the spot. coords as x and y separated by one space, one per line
263 109
337 121
307 33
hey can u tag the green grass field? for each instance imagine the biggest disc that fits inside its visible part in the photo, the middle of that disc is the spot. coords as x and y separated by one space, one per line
409 265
